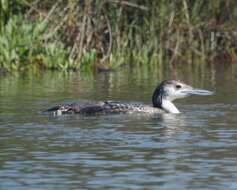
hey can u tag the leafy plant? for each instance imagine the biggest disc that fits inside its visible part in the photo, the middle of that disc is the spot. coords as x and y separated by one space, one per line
80 34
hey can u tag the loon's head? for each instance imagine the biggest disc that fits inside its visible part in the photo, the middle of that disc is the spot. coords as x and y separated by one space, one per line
170 90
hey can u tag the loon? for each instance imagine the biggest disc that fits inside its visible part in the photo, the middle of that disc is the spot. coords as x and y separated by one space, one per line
162 101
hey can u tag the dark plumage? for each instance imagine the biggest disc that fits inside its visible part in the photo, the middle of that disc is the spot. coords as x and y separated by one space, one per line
100 108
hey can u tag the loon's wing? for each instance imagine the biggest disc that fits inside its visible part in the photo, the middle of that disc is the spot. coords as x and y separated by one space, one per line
101 108
87 108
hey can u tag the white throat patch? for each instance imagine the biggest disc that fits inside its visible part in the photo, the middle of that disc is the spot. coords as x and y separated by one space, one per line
169 107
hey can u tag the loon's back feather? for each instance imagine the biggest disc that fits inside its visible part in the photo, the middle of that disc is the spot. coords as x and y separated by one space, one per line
102 108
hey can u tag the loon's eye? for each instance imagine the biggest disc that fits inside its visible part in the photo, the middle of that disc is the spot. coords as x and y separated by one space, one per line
178 86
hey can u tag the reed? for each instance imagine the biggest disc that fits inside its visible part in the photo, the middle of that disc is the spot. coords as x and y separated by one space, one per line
105 34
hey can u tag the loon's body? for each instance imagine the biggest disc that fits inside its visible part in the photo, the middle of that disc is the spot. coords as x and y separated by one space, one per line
103 108
162 98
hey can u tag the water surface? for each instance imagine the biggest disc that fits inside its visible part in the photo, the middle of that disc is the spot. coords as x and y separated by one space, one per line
196 149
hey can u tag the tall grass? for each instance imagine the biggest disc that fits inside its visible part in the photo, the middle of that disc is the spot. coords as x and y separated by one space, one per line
108 33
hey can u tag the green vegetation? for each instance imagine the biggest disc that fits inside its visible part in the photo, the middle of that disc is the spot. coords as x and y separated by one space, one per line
87 34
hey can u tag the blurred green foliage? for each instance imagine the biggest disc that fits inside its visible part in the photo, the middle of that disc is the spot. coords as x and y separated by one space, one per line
79 34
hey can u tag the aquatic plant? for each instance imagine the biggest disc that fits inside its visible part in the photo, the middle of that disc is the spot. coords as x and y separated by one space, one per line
110 33
23 43
19 41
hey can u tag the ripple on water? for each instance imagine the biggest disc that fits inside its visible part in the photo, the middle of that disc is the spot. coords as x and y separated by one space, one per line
193 150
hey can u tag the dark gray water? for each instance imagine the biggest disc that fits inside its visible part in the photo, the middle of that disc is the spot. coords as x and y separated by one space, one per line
196 149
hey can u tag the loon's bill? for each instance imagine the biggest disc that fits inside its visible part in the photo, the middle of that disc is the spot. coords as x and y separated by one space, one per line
198 91
162 101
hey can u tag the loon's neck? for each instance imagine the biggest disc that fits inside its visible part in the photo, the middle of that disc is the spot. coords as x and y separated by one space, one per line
169 107
160 100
